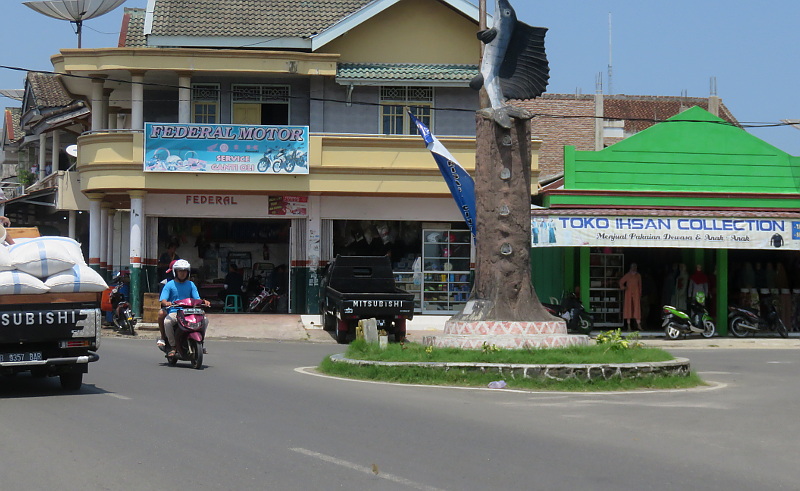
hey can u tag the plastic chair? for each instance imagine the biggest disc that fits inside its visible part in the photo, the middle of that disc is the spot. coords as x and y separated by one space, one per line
233 303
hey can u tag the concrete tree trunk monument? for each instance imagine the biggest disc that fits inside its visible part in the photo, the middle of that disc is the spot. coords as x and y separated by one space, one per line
503 309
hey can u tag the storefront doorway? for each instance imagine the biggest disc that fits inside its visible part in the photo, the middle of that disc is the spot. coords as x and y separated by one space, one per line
256 249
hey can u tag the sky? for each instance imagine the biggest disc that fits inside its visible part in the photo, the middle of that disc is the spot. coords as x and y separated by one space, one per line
657 48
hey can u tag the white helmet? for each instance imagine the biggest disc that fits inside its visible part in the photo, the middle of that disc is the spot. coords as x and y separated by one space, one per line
181 264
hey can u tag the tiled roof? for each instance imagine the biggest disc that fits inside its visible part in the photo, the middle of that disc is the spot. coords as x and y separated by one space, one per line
565 119
249 18
48 91
405 71
132 33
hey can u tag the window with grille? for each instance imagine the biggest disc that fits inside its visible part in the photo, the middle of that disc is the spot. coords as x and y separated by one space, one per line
260 104
205 103
394 99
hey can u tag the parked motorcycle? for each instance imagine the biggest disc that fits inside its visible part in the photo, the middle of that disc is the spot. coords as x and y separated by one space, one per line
122 315
743 321
697 320
189 333
571 310
265 301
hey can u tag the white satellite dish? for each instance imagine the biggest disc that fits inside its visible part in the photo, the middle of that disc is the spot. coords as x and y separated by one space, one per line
75 11
72 150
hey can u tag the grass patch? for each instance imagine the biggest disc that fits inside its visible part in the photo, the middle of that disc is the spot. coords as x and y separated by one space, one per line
412 352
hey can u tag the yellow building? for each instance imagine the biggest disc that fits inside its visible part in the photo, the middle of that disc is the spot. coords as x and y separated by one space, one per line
340 73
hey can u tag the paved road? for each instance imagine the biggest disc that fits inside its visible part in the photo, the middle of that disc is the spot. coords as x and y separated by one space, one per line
251 420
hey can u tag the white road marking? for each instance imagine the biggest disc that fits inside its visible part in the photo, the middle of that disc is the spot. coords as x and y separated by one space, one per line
780 362
124 398
364 469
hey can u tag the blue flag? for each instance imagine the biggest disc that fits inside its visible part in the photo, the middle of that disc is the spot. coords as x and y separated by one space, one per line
461 185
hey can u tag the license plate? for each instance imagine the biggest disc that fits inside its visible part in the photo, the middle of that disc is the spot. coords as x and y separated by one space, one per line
21 357
193 311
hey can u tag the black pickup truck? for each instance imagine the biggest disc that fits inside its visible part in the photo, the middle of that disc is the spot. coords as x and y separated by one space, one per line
50 334
362 287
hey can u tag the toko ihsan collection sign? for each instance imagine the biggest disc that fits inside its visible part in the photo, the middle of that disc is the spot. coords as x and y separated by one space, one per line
679 232
225 148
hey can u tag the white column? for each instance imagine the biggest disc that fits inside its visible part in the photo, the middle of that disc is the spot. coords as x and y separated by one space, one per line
137 228
110 242
94 231
72 225
103 237
42 155
106 99
184 97
56 150
314 233
97 102
137 101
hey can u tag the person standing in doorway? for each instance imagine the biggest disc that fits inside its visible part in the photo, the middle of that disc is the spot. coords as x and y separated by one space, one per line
166 259
631 285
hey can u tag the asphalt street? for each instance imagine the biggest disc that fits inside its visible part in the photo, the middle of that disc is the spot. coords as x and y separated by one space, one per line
254 418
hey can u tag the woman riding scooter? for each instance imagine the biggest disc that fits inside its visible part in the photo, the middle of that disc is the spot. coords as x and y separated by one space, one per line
178 289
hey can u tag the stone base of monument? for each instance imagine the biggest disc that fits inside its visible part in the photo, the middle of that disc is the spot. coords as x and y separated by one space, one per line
505 334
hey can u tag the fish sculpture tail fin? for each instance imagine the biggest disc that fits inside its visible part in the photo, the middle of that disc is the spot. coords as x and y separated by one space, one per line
486 36
477 82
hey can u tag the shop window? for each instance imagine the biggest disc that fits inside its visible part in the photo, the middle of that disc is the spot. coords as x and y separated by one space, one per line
394 100
260 104
205 103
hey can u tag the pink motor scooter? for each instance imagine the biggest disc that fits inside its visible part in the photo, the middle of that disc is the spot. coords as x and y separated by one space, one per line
189 333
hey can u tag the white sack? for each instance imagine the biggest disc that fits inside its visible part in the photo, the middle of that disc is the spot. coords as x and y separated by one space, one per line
46 256
80 278
5 259
17 283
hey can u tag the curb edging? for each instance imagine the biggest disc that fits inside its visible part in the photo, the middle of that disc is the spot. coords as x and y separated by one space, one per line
600 371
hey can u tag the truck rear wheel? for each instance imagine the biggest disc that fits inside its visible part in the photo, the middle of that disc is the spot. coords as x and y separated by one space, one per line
71 381
328 322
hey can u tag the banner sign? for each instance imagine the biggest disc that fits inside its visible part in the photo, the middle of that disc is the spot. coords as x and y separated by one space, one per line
222 205
225 148
678 232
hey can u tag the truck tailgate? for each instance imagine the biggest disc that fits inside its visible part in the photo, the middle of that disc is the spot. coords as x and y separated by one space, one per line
26 326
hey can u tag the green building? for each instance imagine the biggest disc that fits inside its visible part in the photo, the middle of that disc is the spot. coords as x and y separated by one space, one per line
694 198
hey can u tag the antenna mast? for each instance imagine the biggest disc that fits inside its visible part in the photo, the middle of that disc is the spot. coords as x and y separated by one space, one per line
610 70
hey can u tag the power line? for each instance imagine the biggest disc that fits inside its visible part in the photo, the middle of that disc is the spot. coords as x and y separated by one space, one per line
745 124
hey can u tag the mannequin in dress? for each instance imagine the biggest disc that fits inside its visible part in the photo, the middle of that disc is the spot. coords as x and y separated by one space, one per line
631 285
681 288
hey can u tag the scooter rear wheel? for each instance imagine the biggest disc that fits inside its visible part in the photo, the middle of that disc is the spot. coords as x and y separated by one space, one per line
672 332
736 327
196 354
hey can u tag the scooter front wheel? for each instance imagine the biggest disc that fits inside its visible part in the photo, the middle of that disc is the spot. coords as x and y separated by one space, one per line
709 329
781 328
196 354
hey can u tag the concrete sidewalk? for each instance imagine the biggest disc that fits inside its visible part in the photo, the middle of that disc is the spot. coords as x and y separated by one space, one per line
295 327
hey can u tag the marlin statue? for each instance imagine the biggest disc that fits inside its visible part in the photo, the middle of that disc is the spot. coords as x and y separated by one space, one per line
514 64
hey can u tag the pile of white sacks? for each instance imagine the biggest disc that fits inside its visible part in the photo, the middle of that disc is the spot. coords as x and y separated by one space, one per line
46 264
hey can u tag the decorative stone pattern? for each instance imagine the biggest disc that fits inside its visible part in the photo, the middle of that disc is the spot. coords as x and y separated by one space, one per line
678 367
505 334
